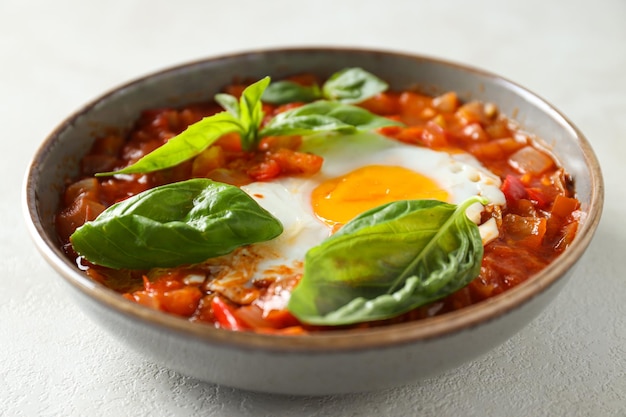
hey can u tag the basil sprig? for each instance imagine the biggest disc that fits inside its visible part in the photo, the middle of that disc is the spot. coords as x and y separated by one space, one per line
387 261
182 223
348 86
245 116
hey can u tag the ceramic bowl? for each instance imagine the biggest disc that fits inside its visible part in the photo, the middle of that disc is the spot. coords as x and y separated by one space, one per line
326 363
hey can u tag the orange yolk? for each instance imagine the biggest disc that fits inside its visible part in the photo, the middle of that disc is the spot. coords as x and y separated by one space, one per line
340 199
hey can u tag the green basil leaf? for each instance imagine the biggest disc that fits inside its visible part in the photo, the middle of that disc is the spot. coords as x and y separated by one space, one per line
305 125
353 85
387 261
189 143
181 223
324 116
282 92
229 103
360 118
251 113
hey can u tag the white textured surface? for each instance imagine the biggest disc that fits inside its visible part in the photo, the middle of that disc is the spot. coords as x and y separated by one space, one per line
57 55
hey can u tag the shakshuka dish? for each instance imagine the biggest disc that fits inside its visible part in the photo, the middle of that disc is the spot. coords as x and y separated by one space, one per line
304 205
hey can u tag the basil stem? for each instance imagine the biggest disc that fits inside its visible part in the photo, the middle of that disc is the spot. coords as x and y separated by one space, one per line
176 224
387 261
251 113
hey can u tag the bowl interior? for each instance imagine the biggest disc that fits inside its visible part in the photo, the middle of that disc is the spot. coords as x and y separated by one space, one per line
57 159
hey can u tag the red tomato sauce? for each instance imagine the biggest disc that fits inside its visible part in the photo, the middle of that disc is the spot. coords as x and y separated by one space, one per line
538 223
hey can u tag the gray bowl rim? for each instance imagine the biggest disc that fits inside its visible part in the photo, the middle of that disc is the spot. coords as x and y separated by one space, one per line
337 340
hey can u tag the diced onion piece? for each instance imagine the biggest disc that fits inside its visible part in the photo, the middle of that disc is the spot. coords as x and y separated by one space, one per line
208 160
194 279
488 231
233 288
472 112
529 160
474 211
86 187
491 110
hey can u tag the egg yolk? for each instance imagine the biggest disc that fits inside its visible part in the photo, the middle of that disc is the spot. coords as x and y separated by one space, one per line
340 199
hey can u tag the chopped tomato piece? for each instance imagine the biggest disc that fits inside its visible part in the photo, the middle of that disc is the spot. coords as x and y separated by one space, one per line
382 104
459 299
434 136
447 102
256 318
114 190
527 230
296 163
145 298
82 210
562 226
513 189
502 263
391 131
273 143
225 315
569 232
230 142
474 132
564 206
538 197
169 293
481 289
412 134
286 331
265 170
412 106
181 301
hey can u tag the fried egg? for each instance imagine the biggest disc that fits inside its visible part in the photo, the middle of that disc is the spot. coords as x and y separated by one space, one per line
360 172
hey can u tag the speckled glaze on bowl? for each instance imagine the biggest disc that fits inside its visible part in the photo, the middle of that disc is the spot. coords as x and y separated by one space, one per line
327 363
